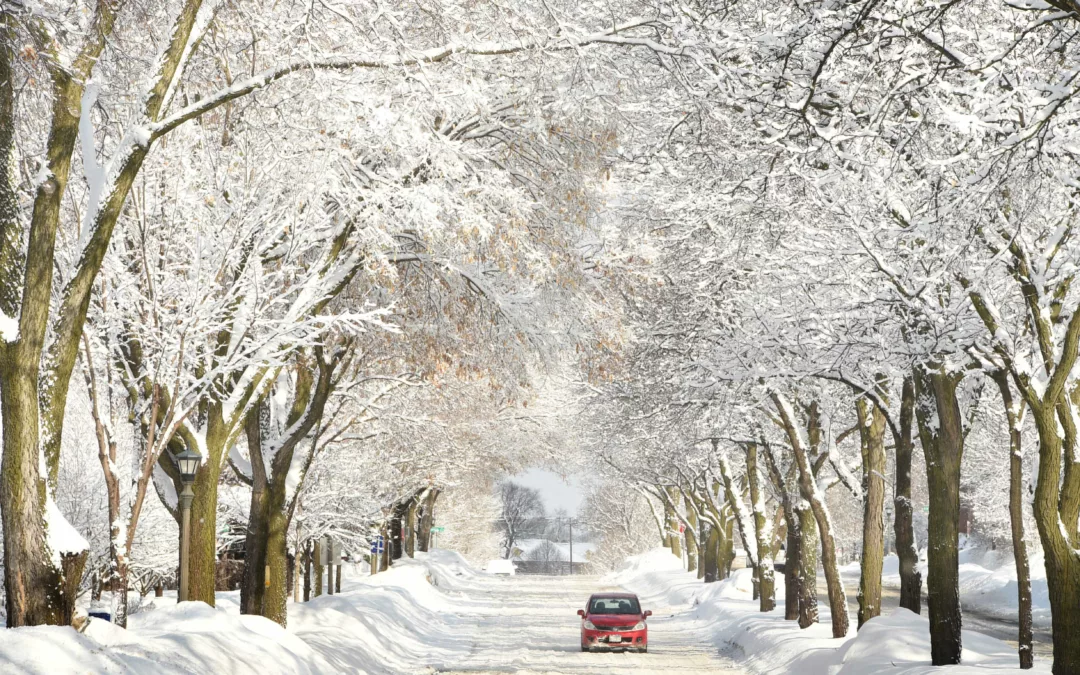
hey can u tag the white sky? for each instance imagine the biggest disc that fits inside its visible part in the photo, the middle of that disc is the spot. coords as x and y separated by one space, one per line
556 492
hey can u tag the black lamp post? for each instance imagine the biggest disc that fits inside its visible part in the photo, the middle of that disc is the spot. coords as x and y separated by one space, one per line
188 463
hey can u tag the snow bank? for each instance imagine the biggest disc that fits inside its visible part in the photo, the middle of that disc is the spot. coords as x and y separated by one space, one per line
765 643
188 638
987 583
387 623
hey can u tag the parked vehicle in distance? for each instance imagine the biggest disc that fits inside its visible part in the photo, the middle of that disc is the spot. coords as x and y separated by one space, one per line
500 567
614 622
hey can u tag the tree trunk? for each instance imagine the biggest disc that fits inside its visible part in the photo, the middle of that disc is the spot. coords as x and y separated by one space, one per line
1062 561
810 492
307 570
792 569
120 602
427 520
808 560
1016 518
410 528
386 551
941 432
202 561
793 552
34 586
319 562
396 545
762 530
253 584
672 522
906 551
727 543
691 534
872 435
702 545
711 559
337 583
276 594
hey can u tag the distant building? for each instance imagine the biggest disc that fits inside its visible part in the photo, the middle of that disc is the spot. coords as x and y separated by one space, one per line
543 556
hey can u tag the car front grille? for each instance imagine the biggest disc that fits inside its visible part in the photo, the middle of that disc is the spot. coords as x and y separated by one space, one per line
616 628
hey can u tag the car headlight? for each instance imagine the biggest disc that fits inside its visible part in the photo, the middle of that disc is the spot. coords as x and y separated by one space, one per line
640 625
589 625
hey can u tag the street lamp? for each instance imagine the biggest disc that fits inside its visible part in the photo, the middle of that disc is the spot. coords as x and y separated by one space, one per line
188 463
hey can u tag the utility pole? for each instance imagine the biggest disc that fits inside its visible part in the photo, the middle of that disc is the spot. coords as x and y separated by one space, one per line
571 546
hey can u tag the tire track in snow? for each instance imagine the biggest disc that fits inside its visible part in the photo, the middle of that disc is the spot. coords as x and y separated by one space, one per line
529 625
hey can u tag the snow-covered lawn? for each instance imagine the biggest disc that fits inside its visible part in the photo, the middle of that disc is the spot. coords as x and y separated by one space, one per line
765 643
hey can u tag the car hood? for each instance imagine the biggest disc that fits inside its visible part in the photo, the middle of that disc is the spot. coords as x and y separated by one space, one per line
599 620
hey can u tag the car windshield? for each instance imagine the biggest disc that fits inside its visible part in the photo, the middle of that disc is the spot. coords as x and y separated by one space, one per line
615 606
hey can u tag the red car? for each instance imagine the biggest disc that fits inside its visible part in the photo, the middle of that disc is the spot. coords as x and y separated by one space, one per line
614 621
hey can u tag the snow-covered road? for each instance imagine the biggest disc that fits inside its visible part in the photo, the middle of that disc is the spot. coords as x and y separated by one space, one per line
528 624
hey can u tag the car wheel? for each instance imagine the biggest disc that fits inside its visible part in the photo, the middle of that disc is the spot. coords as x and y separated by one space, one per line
584 649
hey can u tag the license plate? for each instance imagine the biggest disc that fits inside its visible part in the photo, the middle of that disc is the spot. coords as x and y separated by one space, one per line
614 638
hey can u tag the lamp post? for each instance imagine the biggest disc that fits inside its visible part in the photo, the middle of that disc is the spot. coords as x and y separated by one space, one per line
188 462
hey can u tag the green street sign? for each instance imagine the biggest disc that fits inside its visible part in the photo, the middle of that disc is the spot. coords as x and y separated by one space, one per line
438 529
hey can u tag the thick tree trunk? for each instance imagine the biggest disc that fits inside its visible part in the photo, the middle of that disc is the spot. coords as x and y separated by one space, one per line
872 434
427 520
1016 519
906 551
34 586
1061 559
691 534
276 595
792 569
396 545
808 560
253 584
711 559
337 582
202 560
941 432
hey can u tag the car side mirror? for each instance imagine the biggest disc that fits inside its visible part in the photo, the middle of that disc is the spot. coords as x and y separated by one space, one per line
648 613
581 612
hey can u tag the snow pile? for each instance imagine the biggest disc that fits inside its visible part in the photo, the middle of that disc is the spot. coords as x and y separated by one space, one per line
188 638
987 582
387 623
766 643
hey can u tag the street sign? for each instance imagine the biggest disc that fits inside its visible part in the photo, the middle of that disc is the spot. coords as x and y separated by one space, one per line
377 545
438 529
